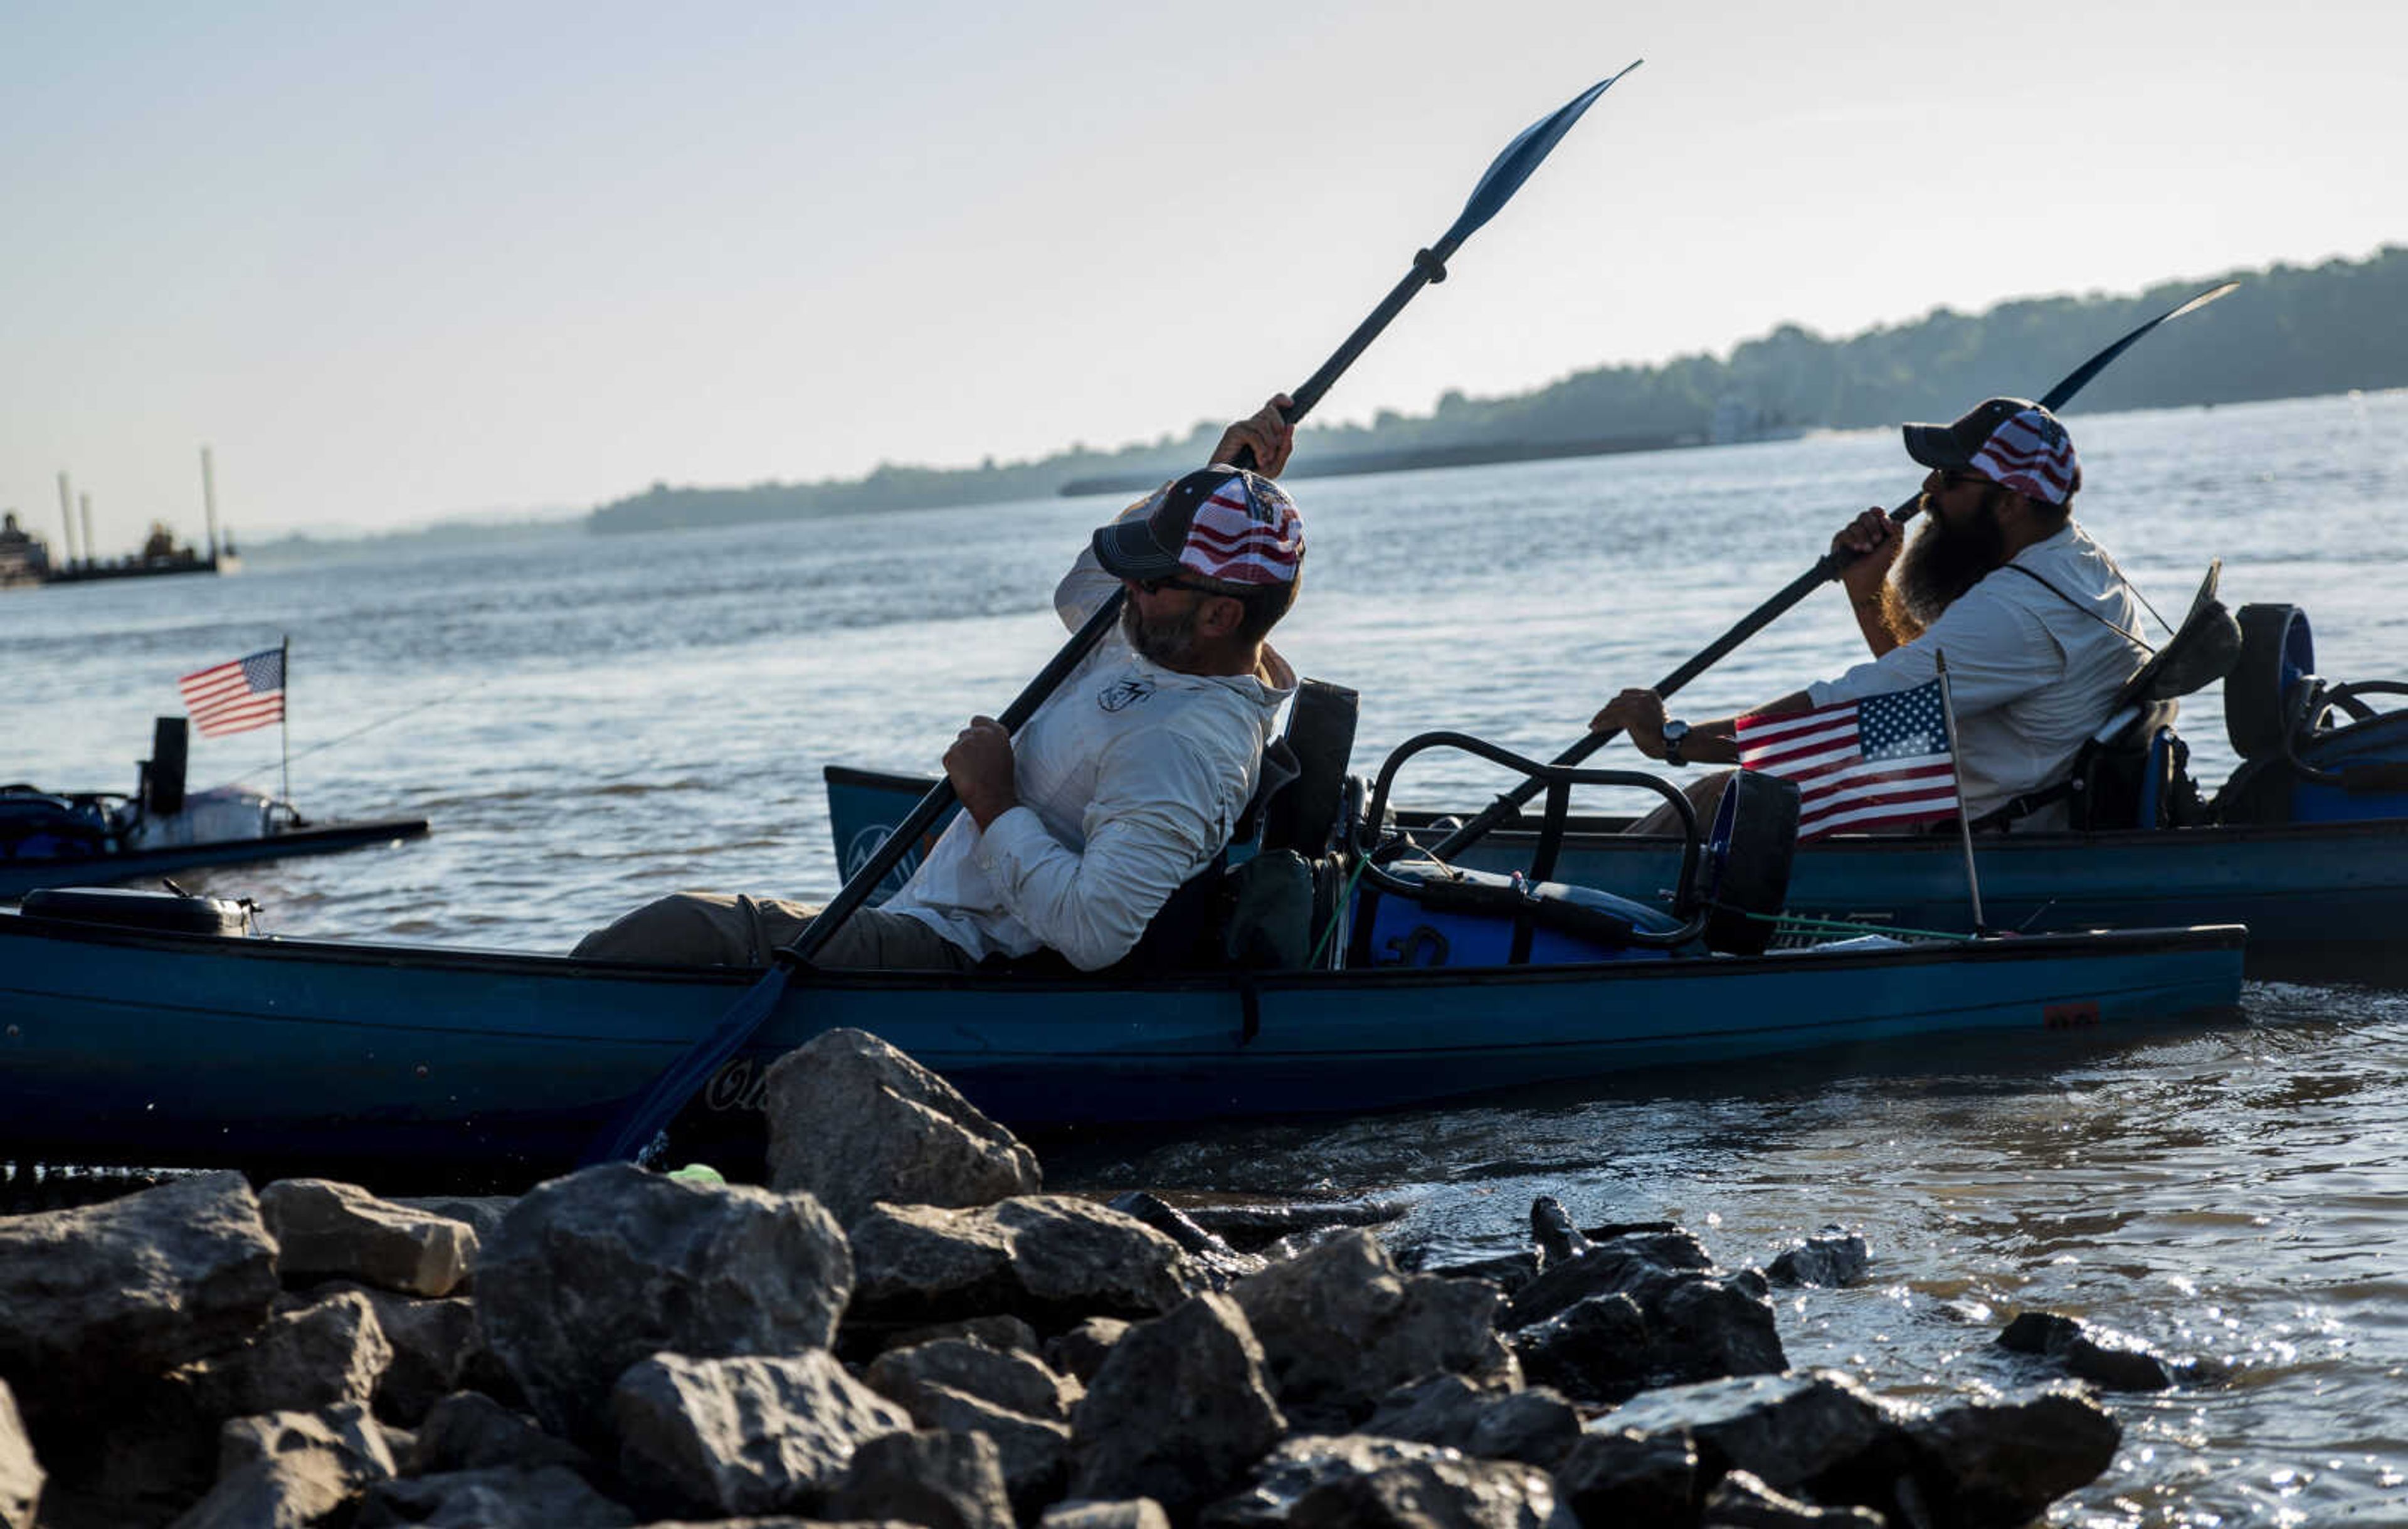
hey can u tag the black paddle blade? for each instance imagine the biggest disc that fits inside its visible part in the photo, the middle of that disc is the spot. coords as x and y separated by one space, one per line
1521 157
636 1124
2080 376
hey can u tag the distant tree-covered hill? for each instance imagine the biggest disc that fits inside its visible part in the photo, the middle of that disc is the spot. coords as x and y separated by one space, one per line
2290 331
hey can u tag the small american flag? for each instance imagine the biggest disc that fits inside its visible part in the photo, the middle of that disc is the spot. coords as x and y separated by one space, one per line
237 696
1882 762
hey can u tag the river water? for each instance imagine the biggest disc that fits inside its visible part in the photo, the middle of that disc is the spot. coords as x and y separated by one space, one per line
591 721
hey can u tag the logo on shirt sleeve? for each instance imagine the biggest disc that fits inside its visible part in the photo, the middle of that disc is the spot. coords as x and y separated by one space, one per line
1123 694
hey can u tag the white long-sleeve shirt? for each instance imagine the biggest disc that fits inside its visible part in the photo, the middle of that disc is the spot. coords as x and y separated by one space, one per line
2030 673
1130 777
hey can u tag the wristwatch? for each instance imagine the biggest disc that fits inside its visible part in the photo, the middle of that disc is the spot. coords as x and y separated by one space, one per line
1676 732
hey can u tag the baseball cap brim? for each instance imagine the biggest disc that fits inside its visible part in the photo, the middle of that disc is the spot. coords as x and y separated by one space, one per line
1127 550
1937 446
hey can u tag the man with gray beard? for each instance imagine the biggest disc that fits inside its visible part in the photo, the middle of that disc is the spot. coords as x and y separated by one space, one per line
1124 784
2039 626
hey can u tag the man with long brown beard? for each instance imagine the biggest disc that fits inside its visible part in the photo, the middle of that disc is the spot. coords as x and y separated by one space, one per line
2039 628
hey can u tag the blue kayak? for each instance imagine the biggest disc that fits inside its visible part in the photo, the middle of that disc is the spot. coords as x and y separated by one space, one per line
122 1041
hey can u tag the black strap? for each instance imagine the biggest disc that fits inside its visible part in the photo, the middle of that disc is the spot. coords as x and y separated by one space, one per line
2129 636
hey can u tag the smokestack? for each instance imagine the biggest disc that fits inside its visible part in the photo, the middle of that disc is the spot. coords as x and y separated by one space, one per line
85 500
67 514
209 502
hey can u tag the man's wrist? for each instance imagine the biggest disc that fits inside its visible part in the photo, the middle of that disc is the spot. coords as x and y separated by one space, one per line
1676 732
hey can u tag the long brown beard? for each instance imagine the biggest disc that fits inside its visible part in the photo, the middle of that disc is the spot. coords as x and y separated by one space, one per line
1169 642
1940 565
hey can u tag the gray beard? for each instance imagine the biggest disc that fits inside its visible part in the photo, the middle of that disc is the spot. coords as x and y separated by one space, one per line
1171 643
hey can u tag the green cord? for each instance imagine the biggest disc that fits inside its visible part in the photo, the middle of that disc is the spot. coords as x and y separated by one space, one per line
1345 896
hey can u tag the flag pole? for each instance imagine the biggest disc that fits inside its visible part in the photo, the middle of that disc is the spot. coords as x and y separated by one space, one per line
1957 783
285 722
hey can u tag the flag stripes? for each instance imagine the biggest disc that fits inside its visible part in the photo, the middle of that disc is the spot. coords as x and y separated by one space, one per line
1882 762
235 696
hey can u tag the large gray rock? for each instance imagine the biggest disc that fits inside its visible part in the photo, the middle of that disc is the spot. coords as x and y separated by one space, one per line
1013 1398
722 1436
552 1497
1692 1326
1049 1258
855 1121
1178 1412
469 1431
320 1356
939 1479
1534 1426
1080 1353
326 1230
21 1474
1441 1493
1017 1382
1834 1258
1818 1431
121 1292
593 1272
288 1470
1598 1352
438 1349
1341 1327
1615 1477
1992 1464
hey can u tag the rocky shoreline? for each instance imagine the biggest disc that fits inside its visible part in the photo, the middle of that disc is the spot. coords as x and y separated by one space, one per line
903 1328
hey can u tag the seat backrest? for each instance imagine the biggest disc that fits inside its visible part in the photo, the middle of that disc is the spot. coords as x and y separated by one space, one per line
2202 650
1302 813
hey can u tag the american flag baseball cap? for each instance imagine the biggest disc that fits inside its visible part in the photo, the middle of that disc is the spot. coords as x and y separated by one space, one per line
2013 442
1224 524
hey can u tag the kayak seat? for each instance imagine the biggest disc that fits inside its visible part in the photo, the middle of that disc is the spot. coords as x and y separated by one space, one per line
36 825
2311 752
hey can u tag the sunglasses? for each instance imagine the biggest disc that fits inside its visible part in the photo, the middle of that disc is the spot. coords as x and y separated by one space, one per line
1155 586
1963 479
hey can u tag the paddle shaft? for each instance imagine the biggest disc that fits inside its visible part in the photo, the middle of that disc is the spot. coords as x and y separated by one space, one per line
1826 569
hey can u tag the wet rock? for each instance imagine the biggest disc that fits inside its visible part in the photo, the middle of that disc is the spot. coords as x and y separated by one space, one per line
1831 1260
1341 1326
1601 1351
2109 1359
130 1288
1256 1228
1740 1501
1551 1229
326 1230
1623 1477
1012 1398
1178 1412
289 1469
1509 1272
21 1474
1284 1476
321 1355
1536 1426
1819 1432
1081 1351
1693 1326
1131 1513
468 1431
552 1497
1221 1264
942 1480
722 1436
593 1272
855 1121
1608 1268
1997 1463
1049 1258
1443 1494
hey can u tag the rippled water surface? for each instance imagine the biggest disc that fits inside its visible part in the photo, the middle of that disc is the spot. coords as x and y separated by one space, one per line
590 722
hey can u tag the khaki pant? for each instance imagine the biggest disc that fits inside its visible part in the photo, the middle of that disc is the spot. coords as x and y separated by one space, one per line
708 928
1705 793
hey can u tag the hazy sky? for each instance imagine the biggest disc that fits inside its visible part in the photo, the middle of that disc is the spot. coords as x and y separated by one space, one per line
396 262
